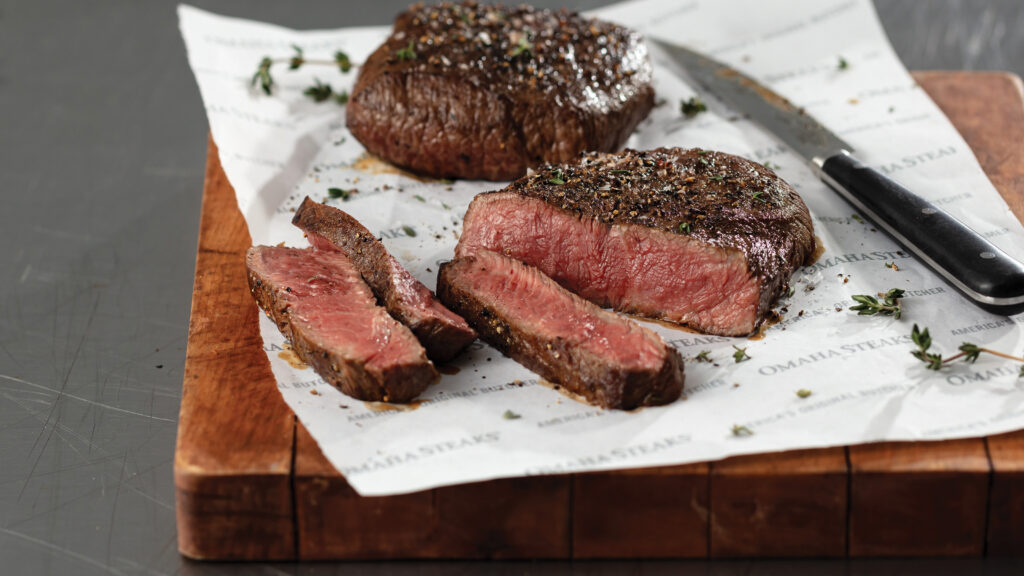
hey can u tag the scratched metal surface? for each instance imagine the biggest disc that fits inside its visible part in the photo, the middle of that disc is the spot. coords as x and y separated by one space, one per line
102 145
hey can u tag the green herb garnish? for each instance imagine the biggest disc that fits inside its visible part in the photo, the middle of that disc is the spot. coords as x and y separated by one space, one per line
717 178
968 351
342 60
739 430
524 46
803 393
684 228
868 305
857 218
621 171
692 107
843 64
510 415
740 355
703 356
296 61
318 91
262 76
771 165
340 193
557 177
420 198
409 231
407 53
757 196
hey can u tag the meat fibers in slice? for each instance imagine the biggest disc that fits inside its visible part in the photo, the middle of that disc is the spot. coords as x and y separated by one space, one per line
441 332
607 359
332 320
695 237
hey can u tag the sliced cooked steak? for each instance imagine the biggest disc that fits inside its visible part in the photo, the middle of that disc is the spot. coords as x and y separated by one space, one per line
441 332
695 237
334 324
607 359
480 91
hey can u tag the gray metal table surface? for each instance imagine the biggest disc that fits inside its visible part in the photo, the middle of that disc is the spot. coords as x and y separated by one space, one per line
102 150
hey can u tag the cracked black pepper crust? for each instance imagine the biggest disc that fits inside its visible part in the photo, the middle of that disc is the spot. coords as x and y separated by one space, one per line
504 87
716 198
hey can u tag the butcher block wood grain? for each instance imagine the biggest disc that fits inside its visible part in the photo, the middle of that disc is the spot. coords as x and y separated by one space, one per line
233 461
783 504
252 484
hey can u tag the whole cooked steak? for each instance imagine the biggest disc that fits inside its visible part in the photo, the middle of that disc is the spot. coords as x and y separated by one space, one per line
695 237
332 320
441 332
609 360
482 91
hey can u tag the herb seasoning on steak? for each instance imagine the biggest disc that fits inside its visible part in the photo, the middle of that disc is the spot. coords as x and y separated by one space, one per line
486 91
441 332
695 237
331 318
599 355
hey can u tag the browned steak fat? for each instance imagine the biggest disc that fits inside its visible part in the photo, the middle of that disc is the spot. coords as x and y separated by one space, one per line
331 318
441 332
484 91
695 237
610 361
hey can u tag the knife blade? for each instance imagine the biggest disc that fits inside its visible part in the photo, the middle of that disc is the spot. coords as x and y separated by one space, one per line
975 267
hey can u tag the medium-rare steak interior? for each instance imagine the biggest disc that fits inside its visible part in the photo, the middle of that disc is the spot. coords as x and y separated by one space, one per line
441 332
695 237
609 360
485 91
331 318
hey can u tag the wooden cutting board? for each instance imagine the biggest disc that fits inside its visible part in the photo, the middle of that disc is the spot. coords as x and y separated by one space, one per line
252 484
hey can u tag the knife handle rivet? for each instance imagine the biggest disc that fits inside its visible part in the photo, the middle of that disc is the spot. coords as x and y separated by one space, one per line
928 211
987 255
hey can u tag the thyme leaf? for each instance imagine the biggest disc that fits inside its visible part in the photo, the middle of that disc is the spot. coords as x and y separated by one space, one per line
318 91
692 107
407 53
340 193
703 356
868 305
510 415
740 430
557 177
740 355
297 60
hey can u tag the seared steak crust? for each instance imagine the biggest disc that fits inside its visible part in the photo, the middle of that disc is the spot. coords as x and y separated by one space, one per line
331 319
481 91
680 220
442 333
599 355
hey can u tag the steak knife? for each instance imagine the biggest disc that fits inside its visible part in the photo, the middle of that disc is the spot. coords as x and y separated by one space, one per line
975 267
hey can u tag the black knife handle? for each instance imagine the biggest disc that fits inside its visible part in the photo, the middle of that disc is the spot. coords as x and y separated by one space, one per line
974 266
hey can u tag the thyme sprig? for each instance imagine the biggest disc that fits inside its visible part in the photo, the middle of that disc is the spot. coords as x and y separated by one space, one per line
740 355
692 107
890 305
968 351
319 91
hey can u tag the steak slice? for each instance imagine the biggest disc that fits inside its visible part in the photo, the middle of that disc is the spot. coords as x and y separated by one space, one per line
480 91
695 237
442 333
609 360
334 324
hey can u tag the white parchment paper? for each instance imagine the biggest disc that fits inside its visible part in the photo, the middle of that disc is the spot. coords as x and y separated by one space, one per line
865 385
